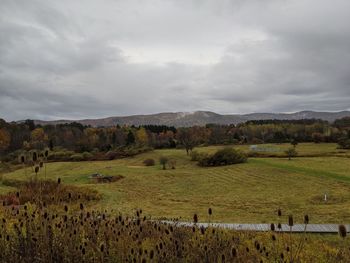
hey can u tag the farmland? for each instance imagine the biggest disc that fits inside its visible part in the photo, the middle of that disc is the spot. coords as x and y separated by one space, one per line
246 193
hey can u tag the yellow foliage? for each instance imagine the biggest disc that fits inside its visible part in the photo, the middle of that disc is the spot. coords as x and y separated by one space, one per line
5 139
38 135
38 138
141 136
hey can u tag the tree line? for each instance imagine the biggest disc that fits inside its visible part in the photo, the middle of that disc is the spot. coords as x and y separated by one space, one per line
79 138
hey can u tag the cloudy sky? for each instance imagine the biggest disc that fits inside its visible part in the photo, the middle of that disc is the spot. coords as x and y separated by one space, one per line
78 59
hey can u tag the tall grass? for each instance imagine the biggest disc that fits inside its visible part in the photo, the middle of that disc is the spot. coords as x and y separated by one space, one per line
68 232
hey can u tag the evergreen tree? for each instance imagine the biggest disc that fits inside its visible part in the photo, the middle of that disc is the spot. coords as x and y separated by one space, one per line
130 138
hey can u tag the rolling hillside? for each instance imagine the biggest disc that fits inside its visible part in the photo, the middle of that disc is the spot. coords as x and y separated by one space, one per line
184 119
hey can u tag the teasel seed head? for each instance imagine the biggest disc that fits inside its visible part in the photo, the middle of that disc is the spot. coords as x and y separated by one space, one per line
233 252
279 226
342 231
290 220
35 156
195 218
279 212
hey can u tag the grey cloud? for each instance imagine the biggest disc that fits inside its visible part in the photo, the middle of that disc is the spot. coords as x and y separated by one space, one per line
306 64
76 59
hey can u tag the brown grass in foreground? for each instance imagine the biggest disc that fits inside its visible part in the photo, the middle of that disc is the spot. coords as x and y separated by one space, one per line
50 223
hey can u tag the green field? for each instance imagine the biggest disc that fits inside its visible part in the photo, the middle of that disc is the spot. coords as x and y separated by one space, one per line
249 192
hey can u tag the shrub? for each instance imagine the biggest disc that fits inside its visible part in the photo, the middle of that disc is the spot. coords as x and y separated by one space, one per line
256 141
196 156
291 152
4 167
224 156
163 161
122 152
13 182
317 137
11 157
149 162
63 155
48 191
77 157
111 155
344 142
107 178
172 164
87 155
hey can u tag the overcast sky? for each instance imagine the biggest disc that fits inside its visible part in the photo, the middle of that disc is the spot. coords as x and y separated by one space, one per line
86 59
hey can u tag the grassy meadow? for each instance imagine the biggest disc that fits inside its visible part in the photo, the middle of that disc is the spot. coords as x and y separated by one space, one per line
243 193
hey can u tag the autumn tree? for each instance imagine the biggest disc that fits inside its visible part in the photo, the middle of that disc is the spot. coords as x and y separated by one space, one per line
5 139
163 139
120 137
188 138
142 136
38 138
92 137
343 123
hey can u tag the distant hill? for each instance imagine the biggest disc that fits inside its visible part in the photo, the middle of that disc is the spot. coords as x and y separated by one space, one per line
185 119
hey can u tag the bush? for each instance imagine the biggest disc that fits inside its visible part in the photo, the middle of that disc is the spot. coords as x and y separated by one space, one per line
256 141
291 152
149 162
87 156
344 142
77 157
123 152
163 161
224 156
63 155
4 168
111 155
10 157
13 182
196 156
172 164
107 178
48 191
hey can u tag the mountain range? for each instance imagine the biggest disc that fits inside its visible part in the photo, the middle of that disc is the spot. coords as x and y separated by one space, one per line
185 119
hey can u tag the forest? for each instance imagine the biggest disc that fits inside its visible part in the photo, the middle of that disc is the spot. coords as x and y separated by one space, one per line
80 142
